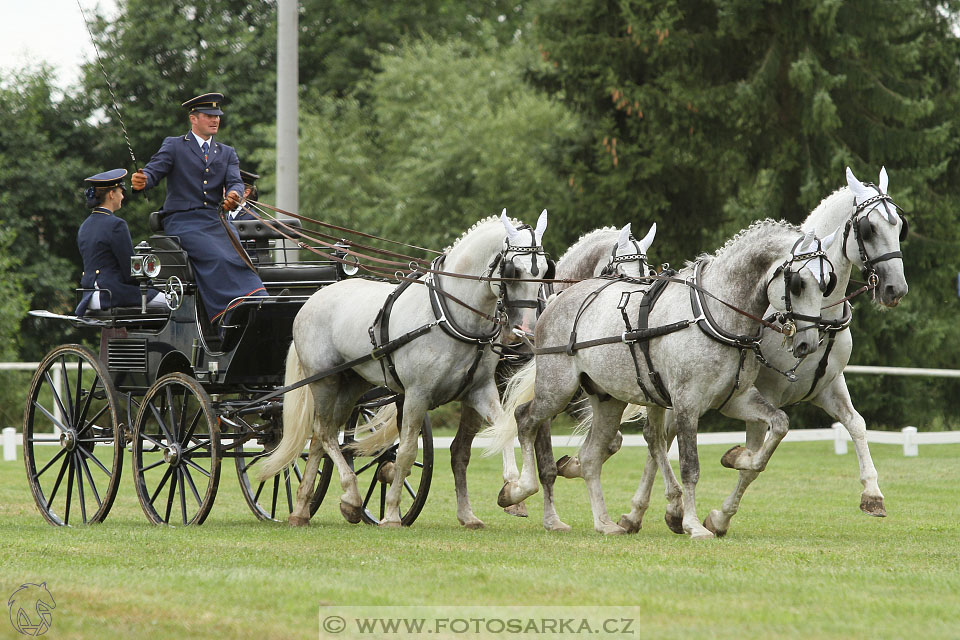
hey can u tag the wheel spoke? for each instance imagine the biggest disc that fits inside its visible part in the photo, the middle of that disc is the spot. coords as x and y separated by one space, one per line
98 463
383 499
76 413
289 487
163 481
373 485
276 492
173 492
56 398
149 439
56 485
65 381
163 427
366 466
83 501
154 465
183 496
409 488
53 419
196 466
193 486
93 486
188 433
92 421
49 464
66 518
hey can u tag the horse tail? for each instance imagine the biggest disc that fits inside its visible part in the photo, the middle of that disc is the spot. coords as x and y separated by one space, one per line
383 432
631 413
297 420
520 390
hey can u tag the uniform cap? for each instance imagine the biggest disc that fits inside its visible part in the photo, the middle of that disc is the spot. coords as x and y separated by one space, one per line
208 103
111 178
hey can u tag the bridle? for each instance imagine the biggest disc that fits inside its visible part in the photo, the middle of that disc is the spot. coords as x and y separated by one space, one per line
859 222
792 284
508 271
637 256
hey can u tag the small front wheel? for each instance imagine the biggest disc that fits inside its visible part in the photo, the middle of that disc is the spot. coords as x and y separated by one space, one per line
176 452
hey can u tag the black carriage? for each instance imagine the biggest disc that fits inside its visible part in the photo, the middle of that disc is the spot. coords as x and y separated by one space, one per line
184 397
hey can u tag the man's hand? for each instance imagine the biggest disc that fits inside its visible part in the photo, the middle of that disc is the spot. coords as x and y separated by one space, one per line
231 201
138 180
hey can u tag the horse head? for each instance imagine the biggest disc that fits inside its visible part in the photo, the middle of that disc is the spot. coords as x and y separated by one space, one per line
630 256
877 227
797 287
520 266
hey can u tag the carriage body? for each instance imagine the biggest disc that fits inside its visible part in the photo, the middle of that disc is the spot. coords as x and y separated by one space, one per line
181 395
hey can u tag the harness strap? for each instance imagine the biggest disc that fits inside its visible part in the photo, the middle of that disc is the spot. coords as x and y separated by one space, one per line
643 315
233 239
707 323
638 335
381 325
376 354
441 312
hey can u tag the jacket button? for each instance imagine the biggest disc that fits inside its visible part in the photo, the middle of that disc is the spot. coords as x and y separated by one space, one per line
204 182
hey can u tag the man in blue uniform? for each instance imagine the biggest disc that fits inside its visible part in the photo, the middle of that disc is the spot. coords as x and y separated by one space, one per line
199 171
106 247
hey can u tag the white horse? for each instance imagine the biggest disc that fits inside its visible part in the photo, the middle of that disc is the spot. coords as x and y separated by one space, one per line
689 369
453 360
870 236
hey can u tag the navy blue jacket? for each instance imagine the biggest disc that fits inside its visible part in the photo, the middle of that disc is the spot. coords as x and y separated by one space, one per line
190 183
106 247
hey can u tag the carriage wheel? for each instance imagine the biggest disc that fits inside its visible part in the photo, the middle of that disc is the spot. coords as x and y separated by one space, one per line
277 495
72 439
176 452
375 474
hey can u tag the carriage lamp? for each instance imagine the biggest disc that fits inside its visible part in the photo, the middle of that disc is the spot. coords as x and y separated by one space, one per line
136 265
339 252
151 265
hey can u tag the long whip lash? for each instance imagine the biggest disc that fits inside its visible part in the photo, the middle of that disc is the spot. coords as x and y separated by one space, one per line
116 105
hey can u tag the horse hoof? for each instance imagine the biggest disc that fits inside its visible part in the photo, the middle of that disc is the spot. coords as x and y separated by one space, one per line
709 524
350 513
674 523
504 499
729 459
873 506
473 523
298 521
702 534
629 525
557 526
568 467
390 524
519 510
612 529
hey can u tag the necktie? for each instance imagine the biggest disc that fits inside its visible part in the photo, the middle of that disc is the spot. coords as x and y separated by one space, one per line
205 147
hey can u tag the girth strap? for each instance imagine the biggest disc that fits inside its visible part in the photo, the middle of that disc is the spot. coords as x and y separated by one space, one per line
381 326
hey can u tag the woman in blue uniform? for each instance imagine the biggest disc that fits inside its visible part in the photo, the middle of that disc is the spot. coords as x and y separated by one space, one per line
106 247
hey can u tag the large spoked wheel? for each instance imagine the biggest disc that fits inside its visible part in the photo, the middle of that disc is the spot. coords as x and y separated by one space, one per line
72 439
176 452
274 498
375 474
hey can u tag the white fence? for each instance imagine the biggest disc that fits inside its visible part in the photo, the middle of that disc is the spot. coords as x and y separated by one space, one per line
908 437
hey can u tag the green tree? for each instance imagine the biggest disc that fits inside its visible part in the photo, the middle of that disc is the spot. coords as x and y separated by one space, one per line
451 134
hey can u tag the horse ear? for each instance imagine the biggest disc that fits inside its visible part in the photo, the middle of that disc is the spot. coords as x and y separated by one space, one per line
623 239
808 243
541 226
884 180
860 192
826 242
648 239
511 230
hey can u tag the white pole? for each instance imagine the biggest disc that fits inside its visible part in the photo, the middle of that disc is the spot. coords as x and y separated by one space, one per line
9 444
910 448
839 439
288 167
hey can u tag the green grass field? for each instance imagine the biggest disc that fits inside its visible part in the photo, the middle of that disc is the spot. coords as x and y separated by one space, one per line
800 560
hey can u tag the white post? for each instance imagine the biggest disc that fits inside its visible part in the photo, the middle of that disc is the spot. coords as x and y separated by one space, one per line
58 389
288 167
910 448
9 444
839 439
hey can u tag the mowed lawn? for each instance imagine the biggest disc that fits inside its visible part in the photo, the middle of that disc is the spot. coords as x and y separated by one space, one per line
800 560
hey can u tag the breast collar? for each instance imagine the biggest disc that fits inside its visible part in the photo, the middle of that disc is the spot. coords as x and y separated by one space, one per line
706 322
441 311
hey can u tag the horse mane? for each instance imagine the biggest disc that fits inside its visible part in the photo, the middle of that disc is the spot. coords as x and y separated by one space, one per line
477 225
759 227
583 239
828 209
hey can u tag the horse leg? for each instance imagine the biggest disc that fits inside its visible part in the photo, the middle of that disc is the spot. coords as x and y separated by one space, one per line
459 459
751 406
606 420
512 474
300 516
547 467
719 521
835 400
633 521
414 409
689 470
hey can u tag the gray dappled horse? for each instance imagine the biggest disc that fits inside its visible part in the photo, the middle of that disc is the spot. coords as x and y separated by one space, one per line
767 263
453 360
606 251
871 230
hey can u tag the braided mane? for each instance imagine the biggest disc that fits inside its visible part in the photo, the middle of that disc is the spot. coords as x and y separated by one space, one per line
477 225
585 238
759 227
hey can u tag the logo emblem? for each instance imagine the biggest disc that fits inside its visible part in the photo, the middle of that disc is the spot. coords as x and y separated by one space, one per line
30 607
